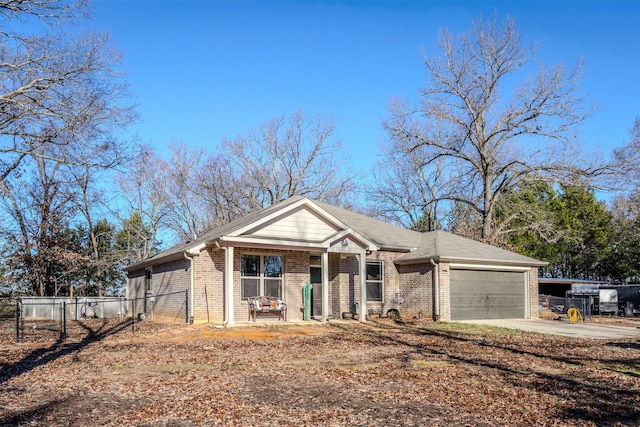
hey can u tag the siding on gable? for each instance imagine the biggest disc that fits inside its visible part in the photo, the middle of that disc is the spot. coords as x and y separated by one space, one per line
299 225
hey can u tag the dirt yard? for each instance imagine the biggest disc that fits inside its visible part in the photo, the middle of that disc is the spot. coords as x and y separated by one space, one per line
345 373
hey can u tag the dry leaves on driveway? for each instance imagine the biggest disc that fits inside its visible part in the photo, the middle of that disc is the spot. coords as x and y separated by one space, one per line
345 373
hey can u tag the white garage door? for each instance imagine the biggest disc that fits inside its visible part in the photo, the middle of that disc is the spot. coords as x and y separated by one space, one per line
487 294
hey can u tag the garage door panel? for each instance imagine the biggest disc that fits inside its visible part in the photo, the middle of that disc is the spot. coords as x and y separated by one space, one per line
479 294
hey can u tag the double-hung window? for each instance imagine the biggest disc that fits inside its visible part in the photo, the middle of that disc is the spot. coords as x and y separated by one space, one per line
375 281
261 275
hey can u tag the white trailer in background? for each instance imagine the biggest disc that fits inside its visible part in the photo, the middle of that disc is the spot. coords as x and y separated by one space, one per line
608 301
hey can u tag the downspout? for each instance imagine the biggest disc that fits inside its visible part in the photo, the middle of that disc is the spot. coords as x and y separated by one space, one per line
191 286
436 290
225 320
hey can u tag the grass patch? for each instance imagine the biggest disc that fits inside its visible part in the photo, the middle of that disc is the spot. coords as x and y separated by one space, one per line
468 329
632 370
626 371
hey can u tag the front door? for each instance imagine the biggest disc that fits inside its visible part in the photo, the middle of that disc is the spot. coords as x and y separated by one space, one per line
315 274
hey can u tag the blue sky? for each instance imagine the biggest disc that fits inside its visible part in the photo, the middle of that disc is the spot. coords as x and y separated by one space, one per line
205 70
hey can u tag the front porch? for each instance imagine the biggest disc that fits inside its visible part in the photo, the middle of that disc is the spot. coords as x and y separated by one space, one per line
333 283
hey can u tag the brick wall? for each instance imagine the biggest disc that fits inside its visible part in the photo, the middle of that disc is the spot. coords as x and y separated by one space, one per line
391 277
344 285
208 286
166 301
295 274
410 282
171 278
533 293
413 283
417 290
444 283
136 284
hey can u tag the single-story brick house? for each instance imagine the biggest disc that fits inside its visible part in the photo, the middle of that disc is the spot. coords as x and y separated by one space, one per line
349 259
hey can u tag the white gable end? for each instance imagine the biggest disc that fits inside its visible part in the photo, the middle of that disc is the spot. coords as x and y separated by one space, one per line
301 224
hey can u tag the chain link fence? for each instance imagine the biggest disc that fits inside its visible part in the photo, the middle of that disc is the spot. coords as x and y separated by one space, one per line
7 317
39 319
560 305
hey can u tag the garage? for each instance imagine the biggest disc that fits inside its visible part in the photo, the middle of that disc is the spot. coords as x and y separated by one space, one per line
485 294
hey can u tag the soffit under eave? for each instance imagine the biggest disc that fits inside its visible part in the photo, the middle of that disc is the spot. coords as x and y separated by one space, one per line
341 242
262 243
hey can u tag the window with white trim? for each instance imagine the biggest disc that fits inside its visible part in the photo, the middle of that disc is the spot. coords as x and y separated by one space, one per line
261 275
375 281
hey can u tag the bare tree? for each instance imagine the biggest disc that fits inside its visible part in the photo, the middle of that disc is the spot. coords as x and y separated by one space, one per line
90 216
203 190
489 129
218 184
290 156
55 87
42 9
147 206
50 219
194 191
62 106
629 157
40 208
406 192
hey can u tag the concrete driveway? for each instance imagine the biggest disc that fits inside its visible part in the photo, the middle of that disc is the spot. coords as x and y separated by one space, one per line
564 328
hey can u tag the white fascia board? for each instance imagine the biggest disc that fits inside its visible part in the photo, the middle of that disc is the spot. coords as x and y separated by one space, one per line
252 241
495 267
302 202
196 249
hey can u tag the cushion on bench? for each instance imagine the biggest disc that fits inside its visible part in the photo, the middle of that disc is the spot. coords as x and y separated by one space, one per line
266 304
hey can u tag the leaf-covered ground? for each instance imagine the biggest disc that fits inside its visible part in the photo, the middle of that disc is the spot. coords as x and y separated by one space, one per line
341 374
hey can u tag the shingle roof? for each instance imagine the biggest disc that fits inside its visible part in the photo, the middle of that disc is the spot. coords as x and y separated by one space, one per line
420 247
212 235
384 234
443 246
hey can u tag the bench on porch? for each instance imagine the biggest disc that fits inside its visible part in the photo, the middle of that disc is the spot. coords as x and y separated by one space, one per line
269 306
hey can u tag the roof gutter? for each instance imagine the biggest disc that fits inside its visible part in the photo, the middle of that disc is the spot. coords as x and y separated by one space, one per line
467 261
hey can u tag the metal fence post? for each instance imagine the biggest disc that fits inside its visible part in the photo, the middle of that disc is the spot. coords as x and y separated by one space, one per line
64 320
18 321
133 318
186 305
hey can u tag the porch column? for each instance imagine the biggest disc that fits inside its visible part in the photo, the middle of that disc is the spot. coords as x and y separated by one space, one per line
324 268
363 286
228 284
